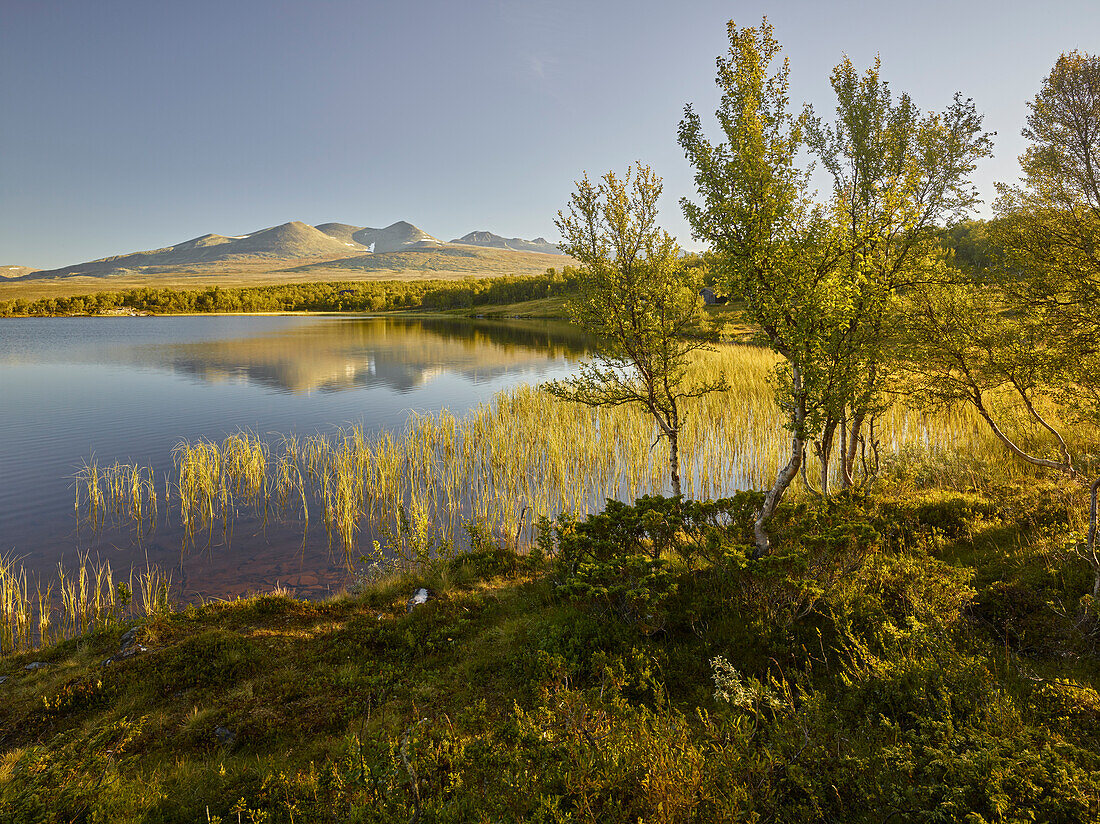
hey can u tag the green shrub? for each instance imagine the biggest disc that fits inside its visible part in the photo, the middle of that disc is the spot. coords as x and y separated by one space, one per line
212 659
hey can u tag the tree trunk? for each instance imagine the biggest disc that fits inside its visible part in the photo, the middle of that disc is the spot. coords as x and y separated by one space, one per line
845 477
674 458
848 459
1091 541
824 452
786 473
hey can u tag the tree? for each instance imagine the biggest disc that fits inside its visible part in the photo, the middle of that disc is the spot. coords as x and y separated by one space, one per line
638 299
1031 332
1049 228
970 344
769 243
821 280
897 173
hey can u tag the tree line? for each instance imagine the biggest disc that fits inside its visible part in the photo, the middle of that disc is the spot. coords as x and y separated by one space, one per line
343 296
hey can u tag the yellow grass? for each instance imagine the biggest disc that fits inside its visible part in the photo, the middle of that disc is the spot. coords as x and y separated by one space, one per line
81 599
507 463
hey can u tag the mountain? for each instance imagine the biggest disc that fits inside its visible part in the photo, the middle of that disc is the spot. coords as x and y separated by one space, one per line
15 271
295 251
517 244
394 238
292 241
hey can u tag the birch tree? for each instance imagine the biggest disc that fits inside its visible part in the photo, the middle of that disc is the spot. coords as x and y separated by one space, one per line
770 244
639 300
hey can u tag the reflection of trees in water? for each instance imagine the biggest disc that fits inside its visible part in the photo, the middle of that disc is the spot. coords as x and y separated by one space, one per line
345 353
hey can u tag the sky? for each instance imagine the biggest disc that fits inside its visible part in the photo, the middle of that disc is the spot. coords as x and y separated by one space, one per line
127 126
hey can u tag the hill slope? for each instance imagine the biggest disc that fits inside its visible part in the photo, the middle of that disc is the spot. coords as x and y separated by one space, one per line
290 241
539 244
291 252
427 259
395 237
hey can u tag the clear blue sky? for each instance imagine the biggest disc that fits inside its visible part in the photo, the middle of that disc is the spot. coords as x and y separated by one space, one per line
134 125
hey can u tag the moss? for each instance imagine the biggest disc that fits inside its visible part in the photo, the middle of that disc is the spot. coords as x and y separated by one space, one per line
890 687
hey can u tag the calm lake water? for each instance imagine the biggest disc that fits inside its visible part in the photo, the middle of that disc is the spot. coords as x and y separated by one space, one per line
130 389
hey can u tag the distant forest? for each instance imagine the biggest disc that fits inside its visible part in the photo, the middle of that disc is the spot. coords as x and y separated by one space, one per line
968 245
342 296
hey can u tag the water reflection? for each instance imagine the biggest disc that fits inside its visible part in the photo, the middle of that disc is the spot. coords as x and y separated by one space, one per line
351 353
128 390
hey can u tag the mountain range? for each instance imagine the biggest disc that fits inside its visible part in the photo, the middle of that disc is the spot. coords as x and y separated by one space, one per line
297 247
516 244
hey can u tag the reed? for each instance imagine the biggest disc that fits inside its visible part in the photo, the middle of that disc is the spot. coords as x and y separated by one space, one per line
15 606
81 599
118 494
524 456
155 588
403 497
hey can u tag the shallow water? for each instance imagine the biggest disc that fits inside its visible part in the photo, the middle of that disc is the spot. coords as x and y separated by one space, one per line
129 389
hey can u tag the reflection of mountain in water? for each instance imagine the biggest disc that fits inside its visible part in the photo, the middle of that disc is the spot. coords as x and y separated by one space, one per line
339 354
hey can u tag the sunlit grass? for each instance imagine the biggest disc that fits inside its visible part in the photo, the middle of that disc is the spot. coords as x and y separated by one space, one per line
81 599
403 497
506 464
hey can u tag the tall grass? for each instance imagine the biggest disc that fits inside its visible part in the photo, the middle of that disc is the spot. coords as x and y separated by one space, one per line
118 493
511 461
83 598
504 465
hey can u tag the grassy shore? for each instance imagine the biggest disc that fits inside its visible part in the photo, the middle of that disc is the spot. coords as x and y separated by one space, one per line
926 653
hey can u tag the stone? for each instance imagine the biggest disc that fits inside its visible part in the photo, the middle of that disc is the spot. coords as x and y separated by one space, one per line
225 735
128 651
420 597
36 665
128 638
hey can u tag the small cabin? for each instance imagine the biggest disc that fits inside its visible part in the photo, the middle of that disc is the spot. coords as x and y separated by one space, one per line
707 295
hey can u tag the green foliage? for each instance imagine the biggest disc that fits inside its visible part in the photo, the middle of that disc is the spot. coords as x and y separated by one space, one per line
211 659
67 780
621 561
820 279
852 675
1050 226
345 296
639 300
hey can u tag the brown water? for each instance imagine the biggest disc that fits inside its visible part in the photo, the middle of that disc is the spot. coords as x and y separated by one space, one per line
130 389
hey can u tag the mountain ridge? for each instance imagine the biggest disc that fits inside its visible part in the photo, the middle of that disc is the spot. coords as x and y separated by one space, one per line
516 244
297 247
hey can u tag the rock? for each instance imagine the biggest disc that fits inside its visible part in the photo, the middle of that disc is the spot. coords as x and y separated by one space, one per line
36 665
420 597
128 638
128 651
3 678
225 735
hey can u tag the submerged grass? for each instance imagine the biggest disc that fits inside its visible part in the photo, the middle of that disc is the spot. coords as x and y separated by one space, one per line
82 599
505 465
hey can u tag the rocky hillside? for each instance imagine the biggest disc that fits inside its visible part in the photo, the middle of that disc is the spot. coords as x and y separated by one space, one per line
518 244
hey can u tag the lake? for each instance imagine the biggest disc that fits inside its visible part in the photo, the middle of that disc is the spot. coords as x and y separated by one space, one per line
130 389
